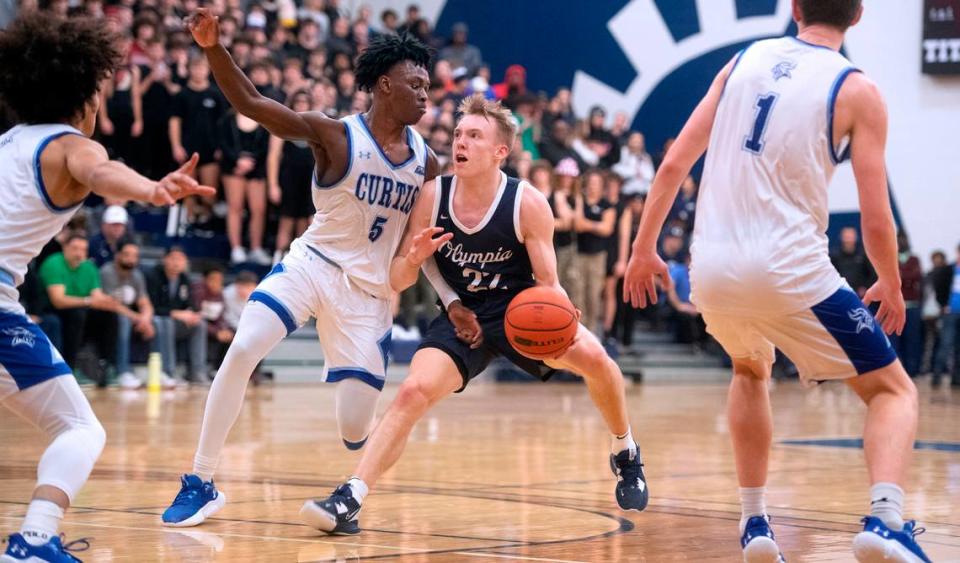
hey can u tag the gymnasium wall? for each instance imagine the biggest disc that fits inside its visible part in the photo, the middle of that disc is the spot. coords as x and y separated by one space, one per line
654 59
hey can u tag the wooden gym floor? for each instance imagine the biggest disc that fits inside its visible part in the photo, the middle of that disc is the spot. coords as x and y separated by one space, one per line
501 472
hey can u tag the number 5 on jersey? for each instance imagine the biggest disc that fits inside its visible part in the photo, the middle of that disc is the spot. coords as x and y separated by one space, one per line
754 142
376 229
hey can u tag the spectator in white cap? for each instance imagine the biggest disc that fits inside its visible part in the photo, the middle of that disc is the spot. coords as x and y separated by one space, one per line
566 203
113 228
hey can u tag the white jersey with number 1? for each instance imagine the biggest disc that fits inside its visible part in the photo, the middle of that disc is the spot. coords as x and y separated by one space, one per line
759 243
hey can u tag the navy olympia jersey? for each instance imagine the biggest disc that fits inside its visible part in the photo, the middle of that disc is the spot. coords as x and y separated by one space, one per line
486 265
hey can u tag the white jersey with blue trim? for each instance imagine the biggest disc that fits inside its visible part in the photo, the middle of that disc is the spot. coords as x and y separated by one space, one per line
360 219
760 243
28 218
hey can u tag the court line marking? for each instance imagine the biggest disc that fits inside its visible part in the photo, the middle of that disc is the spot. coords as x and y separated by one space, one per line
412 550
508 556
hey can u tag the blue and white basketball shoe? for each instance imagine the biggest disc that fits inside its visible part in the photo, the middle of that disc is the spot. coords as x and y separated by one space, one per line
336 515
54 551
196 501
758 543
879 544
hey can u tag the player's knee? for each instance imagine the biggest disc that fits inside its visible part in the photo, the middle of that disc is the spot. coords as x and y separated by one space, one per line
96 437
595 362
412 396
243 350
751 370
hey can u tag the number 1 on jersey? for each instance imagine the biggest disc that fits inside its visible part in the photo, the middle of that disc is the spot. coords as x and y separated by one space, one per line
754 143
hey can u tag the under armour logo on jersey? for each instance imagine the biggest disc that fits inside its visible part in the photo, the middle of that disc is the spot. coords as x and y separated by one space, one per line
365 155
863 318
21 336
419 171
783 69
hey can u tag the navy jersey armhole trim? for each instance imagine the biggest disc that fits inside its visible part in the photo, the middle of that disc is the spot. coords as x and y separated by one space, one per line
831 106
41 187
346 173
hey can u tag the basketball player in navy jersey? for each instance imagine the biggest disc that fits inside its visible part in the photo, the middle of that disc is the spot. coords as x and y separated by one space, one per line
490 237
778 120
373 166
50 75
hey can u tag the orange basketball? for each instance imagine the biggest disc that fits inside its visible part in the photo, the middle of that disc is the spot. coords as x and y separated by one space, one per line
540 323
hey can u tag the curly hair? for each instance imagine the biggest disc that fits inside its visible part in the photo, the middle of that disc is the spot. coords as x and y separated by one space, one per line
51 67
384 52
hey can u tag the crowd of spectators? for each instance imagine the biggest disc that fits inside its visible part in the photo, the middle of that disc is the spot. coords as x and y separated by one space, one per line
162 105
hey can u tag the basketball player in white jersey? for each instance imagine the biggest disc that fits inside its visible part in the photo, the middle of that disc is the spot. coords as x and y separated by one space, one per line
778 120
50 71
373 167
490 237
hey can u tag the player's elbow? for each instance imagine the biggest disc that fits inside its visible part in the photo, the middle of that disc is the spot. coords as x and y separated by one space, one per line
876 225
671 166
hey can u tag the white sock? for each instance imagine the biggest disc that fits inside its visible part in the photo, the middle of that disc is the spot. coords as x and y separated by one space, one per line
359 488
624 442
753 502
42 522
886 503
204 467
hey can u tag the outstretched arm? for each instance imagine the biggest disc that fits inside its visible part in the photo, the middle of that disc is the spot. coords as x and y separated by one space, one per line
243 96
88 164
645 266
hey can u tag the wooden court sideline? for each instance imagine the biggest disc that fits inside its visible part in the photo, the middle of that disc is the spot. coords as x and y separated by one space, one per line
500 472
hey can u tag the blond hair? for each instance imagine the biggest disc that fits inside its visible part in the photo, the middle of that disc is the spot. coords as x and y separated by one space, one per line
492 111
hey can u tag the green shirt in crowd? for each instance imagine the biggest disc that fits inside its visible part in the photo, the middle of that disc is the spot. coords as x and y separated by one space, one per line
79 282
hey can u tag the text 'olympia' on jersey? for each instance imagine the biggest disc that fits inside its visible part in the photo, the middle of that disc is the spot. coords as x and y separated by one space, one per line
486 264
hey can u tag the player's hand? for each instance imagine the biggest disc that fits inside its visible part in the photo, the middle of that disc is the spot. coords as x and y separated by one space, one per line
205 28
180 184
639 281
425 243
466 324
892 312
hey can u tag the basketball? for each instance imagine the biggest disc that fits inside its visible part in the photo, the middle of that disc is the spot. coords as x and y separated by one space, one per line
540 323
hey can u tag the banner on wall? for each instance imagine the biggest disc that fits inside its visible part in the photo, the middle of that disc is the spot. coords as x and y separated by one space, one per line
941 37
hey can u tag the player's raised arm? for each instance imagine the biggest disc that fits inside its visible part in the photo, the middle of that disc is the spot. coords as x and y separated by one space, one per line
861 105
243 96
87 163
639 285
